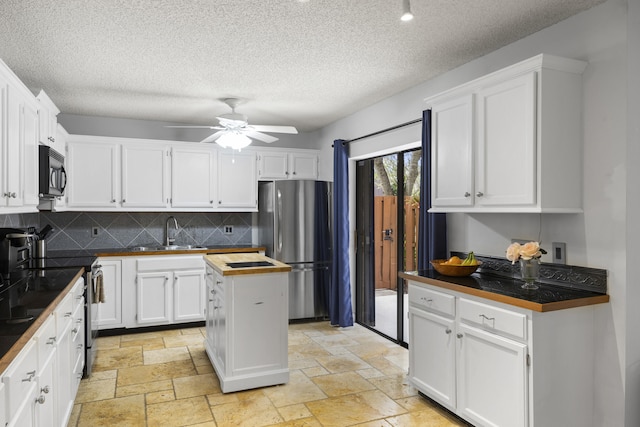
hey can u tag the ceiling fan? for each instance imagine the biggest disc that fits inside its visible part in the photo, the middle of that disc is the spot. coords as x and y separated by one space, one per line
234 130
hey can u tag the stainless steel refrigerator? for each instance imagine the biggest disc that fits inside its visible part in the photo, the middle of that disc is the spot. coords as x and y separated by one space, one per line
294 223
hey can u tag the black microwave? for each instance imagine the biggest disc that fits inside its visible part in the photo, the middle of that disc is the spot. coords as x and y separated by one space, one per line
52 176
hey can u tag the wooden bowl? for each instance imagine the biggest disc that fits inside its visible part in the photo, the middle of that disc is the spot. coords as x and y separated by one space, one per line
453 269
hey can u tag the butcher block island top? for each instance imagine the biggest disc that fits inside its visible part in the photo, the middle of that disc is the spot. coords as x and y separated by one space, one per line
245 263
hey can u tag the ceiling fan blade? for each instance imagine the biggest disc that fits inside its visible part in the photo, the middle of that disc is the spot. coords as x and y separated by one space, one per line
230 123
213 136
192 127
276 129
260 136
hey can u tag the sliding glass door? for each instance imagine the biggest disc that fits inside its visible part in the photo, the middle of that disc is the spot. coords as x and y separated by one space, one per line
387 205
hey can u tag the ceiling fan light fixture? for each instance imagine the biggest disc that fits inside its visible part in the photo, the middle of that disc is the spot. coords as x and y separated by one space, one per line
406 11
235 141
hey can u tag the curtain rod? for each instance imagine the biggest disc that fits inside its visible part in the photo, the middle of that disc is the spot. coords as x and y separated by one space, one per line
381 131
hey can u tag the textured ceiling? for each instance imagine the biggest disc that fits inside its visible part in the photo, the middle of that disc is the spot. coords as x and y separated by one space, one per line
301 63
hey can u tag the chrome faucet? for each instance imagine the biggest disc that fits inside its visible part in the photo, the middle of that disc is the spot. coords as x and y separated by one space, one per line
170 241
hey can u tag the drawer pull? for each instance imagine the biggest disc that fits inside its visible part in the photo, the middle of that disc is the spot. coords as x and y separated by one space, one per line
447 331
260 302
30 376
491 319
427 300
40 399
51 341
45 390
459 335
68 314
218 282
74 330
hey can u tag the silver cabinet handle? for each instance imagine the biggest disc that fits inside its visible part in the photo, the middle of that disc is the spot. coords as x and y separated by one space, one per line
40 399
124 201
45 390
447 331
429 300
479 194
74 330
467 194
13 195
51 341
30 376
113 200
491 319
459 335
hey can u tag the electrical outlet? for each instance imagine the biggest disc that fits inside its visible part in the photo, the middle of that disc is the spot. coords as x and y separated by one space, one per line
228 229
95 231
559 252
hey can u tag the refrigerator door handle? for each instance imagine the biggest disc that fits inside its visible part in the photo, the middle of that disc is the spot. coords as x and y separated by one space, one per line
279 222
295 270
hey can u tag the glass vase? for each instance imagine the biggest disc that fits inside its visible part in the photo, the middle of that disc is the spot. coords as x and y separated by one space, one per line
530 271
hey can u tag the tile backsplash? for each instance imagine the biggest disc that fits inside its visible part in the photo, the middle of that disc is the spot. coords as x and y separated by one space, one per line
73 230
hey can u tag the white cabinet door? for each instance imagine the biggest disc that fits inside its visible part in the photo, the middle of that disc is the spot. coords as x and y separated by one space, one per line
3 408
192 177
14 149
47 119
45 404
153 298
110 311
272 165
188 296
492 378
432 356
452 152
29 141
145 176
93 171
257 322
237 181
303 166
506 150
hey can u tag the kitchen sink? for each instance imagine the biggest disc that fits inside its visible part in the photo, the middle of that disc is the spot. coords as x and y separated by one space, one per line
166 248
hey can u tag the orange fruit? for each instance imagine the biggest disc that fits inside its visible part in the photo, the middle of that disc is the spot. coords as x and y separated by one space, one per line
454 260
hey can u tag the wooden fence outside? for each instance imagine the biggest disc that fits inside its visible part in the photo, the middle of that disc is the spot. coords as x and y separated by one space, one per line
385 238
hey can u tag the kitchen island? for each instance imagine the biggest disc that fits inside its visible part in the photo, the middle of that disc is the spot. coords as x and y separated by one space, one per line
247 320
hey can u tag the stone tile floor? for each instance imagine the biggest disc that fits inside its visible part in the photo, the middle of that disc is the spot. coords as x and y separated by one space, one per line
339 377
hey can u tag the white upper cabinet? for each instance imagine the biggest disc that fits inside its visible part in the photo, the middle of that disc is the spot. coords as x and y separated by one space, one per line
48 121
510 141
452 123
18 145
193 177
145 176
236 179
274 164
93 168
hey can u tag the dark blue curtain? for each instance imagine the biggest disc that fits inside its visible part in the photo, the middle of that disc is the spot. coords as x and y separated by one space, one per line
432 228
340 312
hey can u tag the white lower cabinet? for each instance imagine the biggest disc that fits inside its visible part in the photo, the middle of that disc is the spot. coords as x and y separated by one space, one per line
110 311
499 365
40 384
169 289
247 319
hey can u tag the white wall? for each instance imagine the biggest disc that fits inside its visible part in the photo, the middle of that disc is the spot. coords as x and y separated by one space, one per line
598 237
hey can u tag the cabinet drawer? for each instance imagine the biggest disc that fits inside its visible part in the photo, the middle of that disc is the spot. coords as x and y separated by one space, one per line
432 300
168 263
493 318
21 377
63 314
77 292
45 338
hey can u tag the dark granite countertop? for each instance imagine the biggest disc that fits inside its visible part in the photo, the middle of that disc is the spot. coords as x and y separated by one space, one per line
26 298
508 290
